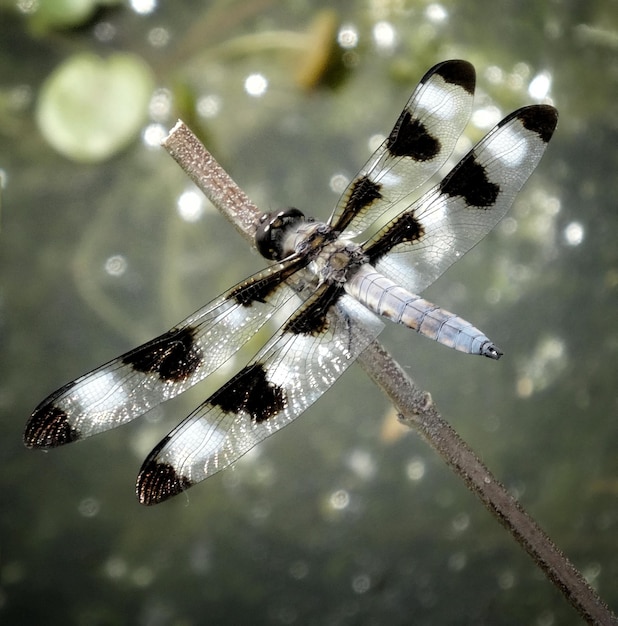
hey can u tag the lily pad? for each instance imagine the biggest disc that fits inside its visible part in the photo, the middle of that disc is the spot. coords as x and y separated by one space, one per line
90 108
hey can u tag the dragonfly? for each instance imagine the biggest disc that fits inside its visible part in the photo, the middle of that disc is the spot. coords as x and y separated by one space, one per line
332 291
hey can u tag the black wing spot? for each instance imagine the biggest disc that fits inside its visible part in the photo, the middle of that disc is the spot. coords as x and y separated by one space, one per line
540 119
457 72
410 138
250 391
406 228
159 481
173 356
313 317
469 181
363 193
258 290
48 427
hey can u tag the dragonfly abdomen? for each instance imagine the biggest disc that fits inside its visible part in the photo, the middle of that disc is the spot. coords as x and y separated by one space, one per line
386 298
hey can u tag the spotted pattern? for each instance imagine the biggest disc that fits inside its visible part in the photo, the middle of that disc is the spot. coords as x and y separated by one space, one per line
406 228
159 481
251 392
410 138
459 73
48 427
261 289
362 194
172 356
469 181
540 119
312 319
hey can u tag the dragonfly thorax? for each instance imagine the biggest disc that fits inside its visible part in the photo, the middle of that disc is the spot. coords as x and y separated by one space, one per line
332 259
338 261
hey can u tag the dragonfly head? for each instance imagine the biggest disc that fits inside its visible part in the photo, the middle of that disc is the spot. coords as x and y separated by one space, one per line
272 230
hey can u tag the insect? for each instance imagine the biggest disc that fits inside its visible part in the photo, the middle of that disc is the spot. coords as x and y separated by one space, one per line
334 291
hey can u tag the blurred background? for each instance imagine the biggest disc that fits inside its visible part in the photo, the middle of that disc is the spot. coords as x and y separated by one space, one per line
344 517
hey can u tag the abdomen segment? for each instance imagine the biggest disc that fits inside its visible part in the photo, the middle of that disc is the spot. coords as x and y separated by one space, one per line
381 295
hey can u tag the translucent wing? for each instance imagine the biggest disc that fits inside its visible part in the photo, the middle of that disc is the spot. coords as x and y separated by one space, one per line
133 383
419 144
422 242
288 375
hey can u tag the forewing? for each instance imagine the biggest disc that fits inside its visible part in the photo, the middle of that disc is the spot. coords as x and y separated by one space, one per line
289 374
133 383
421 141
422 242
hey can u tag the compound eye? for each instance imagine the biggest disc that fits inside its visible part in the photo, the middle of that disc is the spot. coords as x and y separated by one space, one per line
271 230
